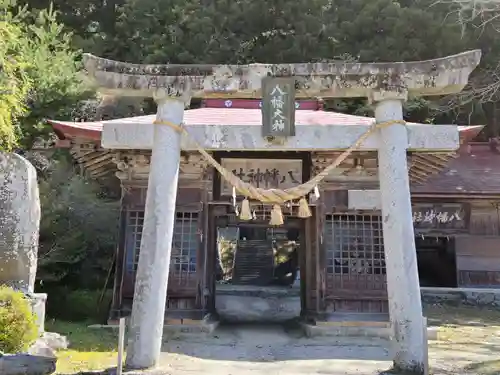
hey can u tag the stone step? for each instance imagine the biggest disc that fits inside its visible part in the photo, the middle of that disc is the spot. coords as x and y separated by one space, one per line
253 263
356 325
181 327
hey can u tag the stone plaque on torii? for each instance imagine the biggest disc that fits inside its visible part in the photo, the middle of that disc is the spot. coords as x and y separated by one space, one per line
386 85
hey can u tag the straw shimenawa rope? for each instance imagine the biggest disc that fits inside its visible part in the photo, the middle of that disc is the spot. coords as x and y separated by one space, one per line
278 196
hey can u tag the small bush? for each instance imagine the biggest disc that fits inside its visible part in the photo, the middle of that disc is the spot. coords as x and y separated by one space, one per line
18 327
78 305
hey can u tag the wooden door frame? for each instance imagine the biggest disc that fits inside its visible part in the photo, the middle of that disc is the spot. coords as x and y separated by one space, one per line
291 222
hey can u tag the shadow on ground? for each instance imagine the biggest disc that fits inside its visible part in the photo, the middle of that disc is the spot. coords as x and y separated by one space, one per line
271 343
484 368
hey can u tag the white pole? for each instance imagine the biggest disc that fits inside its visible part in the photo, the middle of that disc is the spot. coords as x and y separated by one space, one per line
121 344
405 306
426 346
151 282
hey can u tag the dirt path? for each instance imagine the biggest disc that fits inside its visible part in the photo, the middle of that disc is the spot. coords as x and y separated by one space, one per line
269 350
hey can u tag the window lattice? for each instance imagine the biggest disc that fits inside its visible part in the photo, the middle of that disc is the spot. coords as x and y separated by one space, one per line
135 223
185 243
354 244
185 239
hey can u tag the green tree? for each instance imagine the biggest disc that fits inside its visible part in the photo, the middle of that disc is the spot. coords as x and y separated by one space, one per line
78 228
14 82
222 31
92 22
40 78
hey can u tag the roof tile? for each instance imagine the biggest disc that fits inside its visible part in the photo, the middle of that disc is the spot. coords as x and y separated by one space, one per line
475 171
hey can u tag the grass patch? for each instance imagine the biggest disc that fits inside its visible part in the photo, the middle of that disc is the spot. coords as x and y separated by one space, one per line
90 348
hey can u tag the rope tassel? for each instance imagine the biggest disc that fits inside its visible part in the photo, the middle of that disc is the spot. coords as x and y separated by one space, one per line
276 216
234 196
316 192
304 210
245 213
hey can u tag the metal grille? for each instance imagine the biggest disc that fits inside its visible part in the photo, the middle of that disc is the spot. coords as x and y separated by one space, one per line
185 241
354 245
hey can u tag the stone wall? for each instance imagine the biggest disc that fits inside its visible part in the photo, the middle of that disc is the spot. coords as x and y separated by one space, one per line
467 296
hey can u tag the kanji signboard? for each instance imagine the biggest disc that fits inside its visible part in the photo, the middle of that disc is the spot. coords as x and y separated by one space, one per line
264 173
440 217
278 106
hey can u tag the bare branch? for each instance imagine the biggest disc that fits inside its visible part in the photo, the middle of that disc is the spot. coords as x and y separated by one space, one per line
471 11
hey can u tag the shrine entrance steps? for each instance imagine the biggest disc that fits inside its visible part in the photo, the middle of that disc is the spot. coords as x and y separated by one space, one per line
257 304
374 325
349 324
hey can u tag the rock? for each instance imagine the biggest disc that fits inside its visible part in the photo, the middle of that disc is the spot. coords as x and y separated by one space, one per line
37 302
19 220
55 341
27 364
40 348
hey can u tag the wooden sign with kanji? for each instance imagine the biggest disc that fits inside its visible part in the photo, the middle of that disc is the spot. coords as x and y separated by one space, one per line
278 107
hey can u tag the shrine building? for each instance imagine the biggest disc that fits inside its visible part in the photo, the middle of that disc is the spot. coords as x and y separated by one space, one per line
332 262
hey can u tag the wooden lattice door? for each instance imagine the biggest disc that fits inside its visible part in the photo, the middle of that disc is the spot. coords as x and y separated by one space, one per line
355 262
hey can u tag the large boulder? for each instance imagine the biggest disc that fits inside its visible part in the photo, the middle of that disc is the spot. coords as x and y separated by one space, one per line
20 222
40 359
27 364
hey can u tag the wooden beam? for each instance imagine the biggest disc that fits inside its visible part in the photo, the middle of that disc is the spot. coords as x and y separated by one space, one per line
419 163
97 159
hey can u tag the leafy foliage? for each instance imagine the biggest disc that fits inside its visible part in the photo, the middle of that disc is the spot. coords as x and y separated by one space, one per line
72 304
78 229
39 77
57 86
14 82
246 31
18 328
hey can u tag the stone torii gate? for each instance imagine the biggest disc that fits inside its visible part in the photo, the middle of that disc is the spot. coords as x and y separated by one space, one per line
386 85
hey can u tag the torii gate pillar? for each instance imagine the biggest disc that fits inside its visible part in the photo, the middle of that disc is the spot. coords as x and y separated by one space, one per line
405 306
150 294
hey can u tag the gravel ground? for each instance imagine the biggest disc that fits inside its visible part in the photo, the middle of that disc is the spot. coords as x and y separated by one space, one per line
468 343
270 350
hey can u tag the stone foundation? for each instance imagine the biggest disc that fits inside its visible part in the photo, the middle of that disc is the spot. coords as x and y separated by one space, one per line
249 304
467 296
37 302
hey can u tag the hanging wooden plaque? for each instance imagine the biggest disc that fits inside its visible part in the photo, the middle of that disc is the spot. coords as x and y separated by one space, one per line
278 106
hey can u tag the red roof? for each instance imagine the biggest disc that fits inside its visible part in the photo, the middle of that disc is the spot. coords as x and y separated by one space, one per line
475 171
223 116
